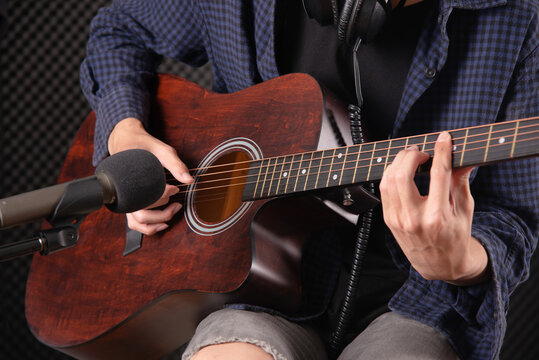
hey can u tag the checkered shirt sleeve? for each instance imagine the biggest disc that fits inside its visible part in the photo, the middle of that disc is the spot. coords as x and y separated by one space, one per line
127 42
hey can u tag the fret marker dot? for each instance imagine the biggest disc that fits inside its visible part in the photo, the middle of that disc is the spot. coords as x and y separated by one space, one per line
501 140
285 174
334 177
303 171
379 160
454 147
340 155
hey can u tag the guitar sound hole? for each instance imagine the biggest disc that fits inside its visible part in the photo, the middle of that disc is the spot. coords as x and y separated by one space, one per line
219 190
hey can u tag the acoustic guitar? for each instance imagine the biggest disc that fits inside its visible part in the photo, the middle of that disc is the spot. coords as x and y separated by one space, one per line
242 234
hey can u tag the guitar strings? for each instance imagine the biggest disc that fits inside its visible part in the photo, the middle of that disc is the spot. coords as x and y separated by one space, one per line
271 178
402 138
430 149
201 198
297 176
359 153
282 165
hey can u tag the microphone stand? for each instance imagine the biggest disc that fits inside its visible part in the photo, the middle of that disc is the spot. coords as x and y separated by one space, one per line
65 220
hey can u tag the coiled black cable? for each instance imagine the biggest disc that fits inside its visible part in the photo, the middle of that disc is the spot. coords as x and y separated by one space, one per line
364 225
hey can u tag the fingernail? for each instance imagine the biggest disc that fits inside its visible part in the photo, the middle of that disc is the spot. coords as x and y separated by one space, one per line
444 135
177 207
162 227
412 148
186 177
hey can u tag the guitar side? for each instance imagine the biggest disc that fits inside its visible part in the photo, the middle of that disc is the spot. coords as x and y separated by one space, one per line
90 301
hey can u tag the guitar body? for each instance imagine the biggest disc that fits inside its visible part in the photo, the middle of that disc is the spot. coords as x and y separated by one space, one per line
91 301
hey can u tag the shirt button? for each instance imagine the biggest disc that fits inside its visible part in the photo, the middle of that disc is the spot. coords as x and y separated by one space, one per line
430 73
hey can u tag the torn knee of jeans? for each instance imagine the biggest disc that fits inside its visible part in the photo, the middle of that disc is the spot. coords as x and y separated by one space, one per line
221 340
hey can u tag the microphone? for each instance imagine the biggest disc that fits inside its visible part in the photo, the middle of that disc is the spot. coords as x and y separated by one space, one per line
125 182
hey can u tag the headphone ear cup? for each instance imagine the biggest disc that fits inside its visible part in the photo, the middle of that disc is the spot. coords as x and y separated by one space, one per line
365 20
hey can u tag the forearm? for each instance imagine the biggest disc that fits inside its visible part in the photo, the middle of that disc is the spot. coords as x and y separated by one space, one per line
115 75
127 41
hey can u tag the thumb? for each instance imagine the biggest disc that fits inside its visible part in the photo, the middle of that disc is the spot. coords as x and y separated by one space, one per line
171 161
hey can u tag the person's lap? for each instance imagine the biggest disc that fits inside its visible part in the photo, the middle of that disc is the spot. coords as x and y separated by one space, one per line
390 336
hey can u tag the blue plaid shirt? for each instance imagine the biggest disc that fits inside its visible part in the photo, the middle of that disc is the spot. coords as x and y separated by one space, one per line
476 62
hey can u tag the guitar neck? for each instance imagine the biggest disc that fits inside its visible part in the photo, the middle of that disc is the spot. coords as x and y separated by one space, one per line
323 169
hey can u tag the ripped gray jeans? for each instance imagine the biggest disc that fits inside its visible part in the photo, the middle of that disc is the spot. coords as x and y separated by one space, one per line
389 336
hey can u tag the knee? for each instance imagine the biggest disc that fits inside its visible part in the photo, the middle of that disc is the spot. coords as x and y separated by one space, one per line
232 351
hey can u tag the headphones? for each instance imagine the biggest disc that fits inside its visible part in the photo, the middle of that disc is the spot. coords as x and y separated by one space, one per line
358 18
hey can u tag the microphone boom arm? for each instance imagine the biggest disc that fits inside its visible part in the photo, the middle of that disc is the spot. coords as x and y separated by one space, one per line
65 220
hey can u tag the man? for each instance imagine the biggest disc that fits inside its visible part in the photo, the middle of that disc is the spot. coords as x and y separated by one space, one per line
462 63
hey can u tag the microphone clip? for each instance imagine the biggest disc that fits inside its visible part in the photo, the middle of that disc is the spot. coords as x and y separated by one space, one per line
69 213
65 220
72 207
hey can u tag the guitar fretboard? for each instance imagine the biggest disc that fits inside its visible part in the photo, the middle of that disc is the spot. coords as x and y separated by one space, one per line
322 169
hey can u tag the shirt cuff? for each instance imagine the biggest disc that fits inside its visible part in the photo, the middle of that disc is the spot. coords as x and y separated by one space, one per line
470 309
121 103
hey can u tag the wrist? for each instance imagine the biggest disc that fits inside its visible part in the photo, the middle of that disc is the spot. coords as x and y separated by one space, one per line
476 267
121 129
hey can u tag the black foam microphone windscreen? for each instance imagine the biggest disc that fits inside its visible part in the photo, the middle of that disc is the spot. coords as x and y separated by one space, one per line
137 177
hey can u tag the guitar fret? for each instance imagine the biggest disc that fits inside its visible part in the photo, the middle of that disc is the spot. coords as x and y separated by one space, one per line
251 181
457 137
379 158
314 171
325 165
396 146
349 167
514 139
364 159
271 173
430 142
262 179
284 175
290 184
370 163
488 143
303 171
276 178
330 167
463 147
300 165
308 171
475 146
526 140
343 166
387 154
259 163
416 140
359 152
280 174
500 142
337 166
419 141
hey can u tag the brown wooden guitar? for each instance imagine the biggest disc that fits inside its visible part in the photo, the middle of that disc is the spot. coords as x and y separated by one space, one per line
233 243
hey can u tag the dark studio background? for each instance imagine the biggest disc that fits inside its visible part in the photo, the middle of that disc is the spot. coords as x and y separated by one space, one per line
41 107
